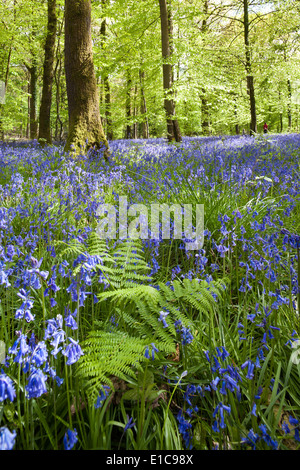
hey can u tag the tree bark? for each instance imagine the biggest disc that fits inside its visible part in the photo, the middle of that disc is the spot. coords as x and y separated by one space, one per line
173 130
204 105
5 85
7 70
85 128
289 107
110 134
128 107
107 95
33 123
204 113
135 113
250 78
145 124
48 72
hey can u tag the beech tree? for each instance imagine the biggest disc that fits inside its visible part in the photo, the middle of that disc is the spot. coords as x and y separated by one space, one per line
248 65
173 130
85 127
45 109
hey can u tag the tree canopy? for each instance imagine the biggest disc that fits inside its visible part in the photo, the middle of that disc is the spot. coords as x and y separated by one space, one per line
229 59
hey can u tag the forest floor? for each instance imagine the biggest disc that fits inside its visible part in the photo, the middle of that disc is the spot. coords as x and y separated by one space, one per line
158 341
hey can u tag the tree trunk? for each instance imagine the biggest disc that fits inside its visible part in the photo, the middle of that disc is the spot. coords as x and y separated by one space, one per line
128 107
289 107
33 123
204 105
250 78
109 125
45 109
107 96
5 85
2 136
173 130
145 125
85 128
135 113
58 121
204 113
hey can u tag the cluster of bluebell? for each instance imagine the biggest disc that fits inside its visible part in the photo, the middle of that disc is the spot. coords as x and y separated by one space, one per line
59 202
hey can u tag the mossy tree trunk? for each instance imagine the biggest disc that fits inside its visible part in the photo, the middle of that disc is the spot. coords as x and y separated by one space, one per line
85 127
48 72
173 130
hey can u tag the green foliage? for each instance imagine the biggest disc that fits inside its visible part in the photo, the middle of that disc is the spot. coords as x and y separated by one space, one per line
136 306
208 63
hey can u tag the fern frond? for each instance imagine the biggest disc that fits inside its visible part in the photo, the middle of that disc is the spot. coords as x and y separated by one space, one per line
134 293
108 355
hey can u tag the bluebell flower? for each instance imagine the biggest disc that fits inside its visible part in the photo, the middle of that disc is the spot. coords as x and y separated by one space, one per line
186 336
70 439
7 389
250 370
267 438
220 408
162 318
154 350
251 439
19 349
58 338
40 354
7 439
293 421
70 322
103 394
36 384
73 351
285 428
214 383
185 428
258 394
130 424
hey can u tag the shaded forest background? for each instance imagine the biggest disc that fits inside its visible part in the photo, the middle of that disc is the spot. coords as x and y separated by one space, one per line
215 48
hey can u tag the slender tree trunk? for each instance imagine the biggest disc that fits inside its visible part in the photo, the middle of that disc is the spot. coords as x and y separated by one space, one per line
237 127
289 107
145 124
135 113
58 70
33 123
45 108
128 107
2 136
85 128
57 78
204 113
204 105
5 85
110 134
28 108
250 78
173 130
107 95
